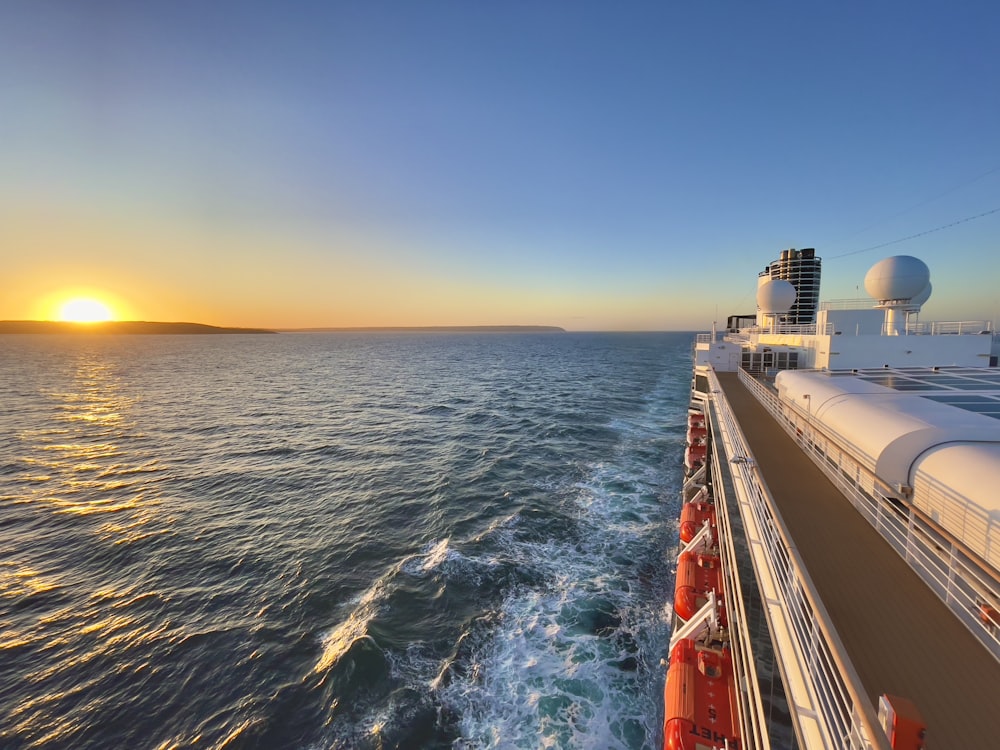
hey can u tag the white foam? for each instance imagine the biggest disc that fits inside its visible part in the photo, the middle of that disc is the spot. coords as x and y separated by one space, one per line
339 639
564 665
570 657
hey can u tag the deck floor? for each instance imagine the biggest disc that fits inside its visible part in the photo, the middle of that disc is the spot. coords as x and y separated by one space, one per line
900 637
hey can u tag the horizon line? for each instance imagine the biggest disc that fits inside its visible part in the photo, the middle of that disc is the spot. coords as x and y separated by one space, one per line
180 327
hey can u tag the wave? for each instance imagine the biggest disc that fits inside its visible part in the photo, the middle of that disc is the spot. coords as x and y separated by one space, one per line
346 542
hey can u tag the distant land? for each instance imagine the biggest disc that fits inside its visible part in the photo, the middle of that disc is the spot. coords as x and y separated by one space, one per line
116 327
141 327
426 329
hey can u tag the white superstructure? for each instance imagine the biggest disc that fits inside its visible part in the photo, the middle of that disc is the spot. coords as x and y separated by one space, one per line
903 417
927 444
883 331
943 459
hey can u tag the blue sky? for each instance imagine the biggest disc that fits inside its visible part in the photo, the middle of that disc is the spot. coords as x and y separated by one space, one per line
589 165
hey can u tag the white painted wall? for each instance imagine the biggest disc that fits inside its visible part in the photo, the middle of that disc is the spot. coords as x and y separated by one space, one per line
724 356
845 352
852 322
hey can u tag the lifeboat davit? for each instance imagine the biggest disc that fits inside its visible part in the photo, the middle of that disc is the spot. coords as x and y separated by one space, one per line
698 573
693 492
699 698
693 515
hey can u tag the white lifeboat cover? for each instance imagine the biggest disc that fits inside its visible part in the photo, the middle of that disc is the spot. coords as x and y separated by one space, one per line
971 508
889 429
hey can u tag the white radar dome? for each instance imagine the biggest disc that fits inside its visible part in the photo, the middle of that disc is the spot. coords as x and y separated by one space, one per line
901 277
922 297
775 296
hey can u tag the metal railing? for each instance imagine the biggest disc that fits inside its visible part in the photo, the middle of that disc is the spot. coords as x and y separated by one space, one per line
827 708
855 303
955 328
970 590
791 329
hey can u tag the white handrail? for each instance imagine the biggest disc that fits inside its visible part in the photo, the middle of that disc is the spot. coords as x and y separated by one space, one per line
754 730
828 709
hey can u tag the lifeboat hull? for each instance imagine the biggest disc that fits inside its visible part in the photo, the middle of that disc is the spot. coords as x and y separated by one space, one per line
699 699
697 435
696 419
694 458
693 516
698 574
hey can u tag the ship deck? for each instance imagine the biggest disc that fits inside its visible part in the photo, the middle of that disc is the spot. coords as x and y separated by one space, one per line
901 639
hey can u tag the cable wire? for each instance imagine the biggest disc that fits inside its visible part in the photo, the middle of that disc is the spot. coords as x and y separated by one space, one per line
924 202
918 234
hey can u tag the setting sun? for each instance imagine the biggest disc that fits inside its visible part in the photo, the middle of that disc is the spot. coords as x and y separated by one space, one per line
85 310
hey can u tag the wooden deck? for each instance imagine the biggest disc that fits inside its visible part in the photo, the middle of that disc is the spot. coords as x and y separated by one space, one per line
900 637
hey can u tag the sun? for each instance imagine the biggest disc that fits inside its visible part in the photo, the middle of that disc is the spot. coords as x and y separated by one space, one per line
85 310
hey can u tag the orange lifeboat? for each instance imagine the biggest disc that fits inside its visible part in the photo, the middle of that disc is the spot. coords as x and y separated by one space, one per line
696 419
699 698
693 515
697 434
694 458
698 573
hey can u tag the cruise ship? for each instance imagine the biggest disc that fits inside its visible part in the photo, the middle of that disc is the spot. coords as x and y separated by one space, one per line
837 584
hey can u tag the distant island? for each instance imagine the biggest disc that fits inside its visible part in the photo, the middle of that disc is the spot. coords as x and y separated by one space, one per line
430 329
117 327
141 327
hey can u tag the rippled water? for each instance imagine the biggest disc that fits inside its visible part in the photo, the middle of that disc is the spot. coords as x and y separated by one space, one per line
337 540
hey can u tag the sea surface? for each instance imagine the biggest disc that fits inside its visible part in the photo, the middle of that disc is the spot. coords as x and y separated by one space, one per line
340 540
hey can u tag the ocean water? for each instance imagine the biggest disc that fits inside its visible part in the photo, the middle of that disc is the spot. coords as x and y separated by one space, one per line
338 540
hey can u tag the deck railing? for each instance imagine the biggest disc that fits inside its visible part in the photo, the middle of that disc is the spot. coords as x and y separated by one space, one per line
912 327
753 719
970 590
828 709
949 328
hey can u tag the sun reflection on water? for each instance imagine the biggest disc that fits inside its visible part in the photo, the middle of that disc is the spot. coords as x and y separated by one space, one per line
103 636
78 463
19 580
80 457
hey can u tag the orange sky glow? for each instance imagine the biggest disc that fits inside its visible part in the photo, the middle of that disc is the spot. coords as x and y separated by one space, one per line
360 165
